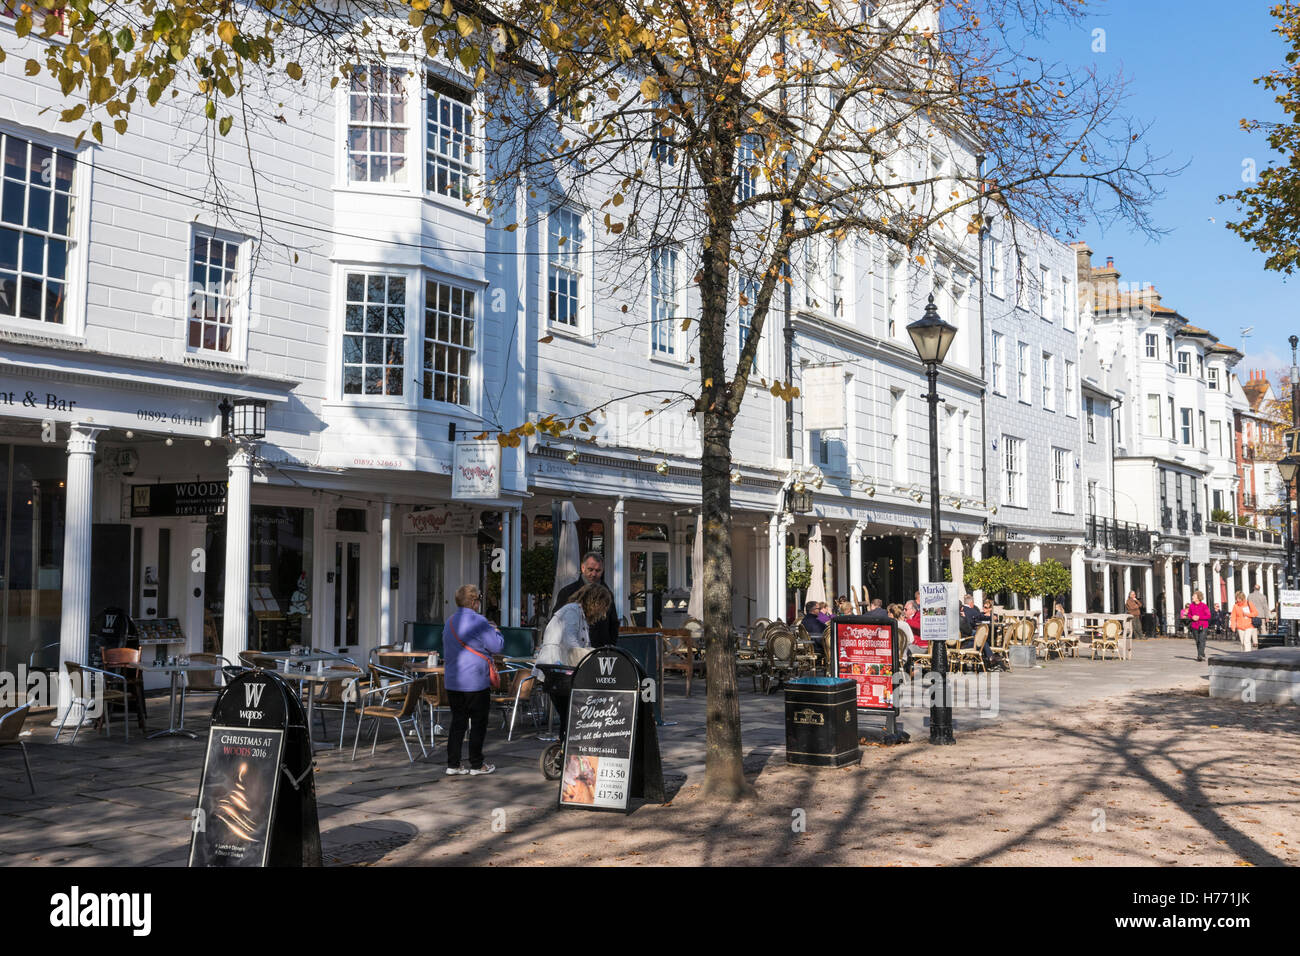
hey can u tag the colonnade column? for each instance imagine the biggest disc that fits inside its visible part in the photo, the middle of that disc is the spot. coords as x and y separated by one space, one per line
1078 582
1200 579
1231 580
78 519
1128 585
855 562
1170 620
616 559
977 554
507 606
239 519
1036 557
515 559
386 575
923 558
1105 589
1149 594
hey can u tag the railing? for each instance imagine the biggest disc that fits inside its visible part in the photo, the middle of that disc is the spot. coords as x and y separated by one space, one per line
1118 536
1261 535
1249 501
1166 520
1182 521
1196 523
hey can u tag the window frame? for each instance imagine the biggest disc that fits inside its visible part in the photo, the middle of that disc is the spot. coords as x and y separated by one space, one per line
1044 293
1049 381
996 275
73 326
345 119
1090 419
1185 425
1184 362
743 328
241 318
1071 403
1024 375
676 353
1013 471
1152 346
472 165
472 379
998 348
1062 482
581 327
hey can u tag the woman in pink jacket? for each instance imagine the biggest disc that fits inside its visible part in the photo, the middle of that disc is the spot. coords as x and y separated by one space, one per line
1198 619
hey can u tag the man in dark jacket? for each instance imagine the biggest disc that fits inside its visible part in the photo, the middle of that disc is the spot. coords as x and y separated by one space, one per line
603 633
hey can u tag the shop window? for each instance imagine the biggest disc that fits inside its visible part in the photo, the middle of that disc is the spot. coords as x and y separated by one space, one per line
351 519
640 531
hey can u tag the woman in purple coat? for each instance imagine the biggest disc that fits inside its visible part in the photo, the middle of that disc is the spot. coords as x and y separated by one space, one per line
468 642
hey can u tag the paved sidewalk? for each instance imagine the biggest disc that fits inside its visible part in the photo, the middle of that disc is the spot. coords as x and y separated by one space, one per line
105 802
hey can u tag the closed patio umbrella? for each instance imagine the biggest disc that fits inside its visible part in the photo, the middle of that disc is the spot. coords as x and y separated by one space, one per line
695 608
817 566
566 561
958 565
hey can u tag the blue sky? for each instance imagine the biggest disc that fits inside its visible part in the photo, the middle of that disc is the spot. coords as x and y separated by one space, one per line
1189 67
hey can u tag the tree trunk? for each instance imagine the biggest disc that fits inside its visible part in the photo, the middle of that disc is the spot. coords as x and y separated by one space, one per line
724 777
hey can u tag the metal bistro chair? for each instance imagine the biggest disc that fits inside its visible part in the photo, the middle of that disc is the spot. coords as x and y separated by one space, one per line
521 690
11 726
678 655
126 658
76 674
335 695
396 702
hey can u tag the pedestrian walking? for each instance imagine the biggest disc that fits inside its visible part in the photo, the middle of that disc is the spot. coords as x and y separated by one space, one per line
1243 614
473 639
1260 604
1134 608
1198 621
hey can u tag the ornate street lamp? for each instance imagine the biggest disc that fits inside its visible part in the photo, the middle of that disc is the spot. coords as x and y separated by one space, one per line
931 336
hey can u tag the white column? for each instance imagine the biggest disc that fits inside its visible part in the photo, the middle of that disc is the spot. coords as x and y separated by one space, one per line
954 555
1269 593
762 576
1259 579
507 527
616 559
1078 582
386 574
923 558
774 567
1187 584
977 554
239 517
514 555
1106 604
1036 557
1128 584
78 518
1213 599
1170 620
1230 578
1200 578
855 562
778 601
1149 585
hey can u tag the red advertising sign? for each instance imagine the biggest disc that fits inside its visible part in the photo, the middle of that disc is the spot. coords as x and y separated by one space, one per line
865 653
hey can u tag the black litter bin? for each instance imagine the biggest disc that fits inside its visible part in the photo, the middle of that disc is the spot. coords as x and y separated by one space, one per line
821 722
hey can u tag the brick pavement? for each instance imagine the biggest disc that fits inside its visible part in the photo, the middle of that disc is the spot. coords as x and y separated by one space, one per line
106 802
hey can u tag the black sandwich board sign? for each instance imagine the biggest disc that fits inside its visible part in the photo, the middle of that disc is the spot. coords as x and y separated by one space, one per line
611 748
257 798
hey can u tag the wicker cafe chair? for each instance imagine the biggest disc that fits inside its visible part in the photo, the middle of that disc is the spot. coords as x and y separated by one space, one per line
126 658
678 656
1050 639
77 674
748 657
395 702
1068 641
11 725
1108 639
780 657
974 655
1001 647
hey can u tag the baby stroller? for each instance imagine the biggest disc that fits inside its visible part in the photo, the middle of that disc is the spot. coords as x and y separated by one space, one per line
558 681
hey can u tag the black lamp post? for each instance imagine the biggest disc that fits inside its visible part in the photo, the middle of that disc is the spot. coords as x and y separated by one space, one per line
931 336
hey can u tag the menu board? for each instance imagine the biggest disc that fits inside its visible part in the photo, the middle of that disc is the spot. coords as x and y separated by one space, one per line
241 775
865 654
598 743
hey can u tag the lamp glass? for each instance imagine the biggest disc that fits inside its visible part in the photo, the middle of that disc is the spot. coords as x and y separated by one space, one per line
931 335
1288 467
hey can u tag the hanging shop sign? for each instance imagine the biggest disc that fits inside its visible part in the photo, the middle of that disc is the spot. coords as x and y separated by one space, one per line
175 499
476 471
1199 549
441 521
47 400
822 391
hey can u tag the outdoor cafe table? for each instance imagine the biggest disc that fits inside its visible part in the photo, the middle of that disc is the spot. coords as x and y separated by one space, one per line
311 658
322 676
175 722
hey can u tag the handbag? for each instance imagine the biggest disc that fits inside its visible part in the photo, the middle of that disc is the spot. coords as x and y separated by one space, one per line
1256 622
494 678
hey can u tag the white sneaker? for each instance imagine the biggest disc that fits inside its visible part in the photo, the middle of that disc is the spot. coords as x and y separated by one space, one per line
486 768
458 771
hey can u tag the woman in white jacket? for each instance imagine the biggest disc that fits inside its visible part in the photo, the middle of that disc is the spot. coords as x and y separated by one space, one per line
566 639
